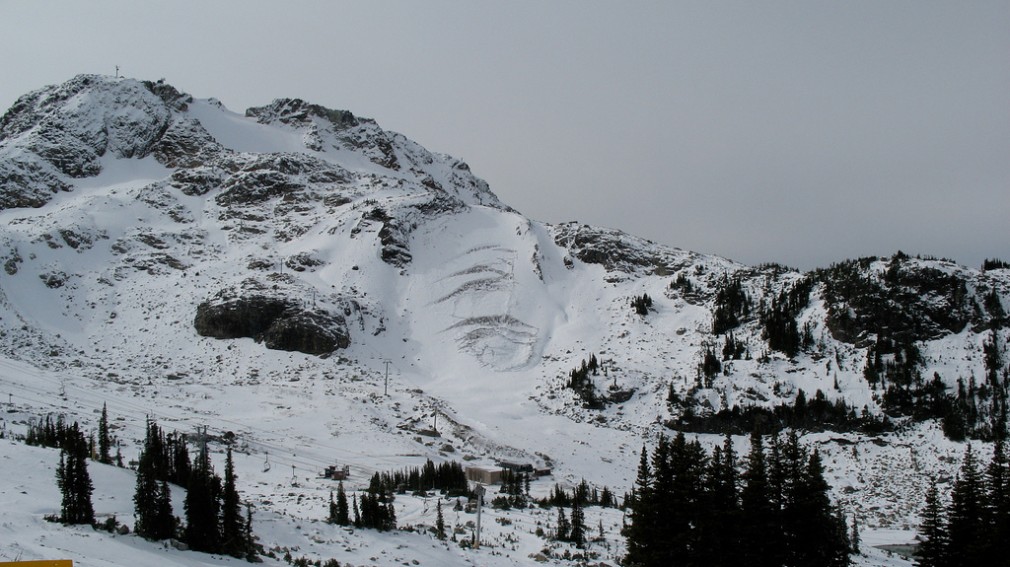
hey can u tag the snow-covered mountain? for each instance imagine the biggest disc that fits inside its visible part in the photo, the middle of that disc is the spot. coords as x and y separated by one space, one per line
276 273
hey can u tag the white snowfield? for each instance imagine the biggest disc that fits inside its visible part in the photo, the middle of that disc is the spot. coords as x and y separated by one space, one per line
476 332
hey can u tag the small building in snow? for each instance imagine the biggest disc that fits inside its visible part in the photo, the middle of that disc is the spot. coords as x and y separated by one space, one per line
484 475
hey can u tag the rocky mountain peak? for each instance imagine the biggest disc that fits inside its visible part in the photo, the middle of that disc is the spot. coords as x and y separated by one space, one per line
59 133
295 111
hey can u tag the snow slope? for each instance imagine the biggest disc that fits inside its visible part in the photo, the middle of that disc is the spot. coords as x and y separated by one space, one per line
475 313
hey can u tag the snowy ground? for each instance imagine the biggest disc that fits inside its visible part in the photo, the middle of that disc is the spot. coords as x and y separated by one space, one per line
282 425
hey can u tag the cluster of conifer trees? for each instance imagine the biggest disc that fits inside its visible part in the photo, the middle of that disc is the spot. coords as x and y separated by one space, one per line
641 304
514 492
52 433
979 410
817 414
72 476
448 476
375 507
975 527
375 510
214 519
73 479
691 508
583 493
339 511
572 527
731 306
994 264
580 381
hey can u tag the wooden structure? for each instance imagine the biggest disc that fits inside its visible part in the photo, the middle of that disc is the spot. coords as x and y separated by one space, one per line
335 472
484 475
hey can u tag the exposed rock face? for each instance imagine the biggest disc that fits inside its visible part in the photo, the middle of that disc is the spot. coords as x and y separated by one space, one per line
278 323
186 144
617 251
296 111
249 316
60 133
311 332
254 179
901 298
323 127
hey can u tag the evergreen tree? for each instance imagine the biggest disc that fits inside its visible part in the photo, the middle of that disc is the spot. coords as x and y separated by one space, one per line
104 440
232 529
377 510
177 456
343 516
683 505
756 510
357 513
821 537
145 498
564 528
203 505
439 521
998 486
795 504
641 531
720 522
577 534
164 518
331 516
932 549
967 518
73 479
152 500
252 550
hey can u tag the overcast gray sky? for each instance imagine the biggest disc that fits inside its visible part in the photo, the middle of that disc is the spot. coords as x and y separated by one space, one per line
798 132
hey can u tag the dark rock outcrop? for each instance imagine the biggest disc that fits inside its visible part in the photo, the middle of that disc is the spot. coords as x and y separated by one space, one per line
62 131
311 332
280 324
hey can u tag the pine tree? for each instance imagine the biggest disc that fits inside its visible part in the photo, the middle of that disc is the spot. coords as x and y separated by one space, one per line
564 527
203 504
822 535
73 479
104 440
145 496
357 513
577 534
998 486
343 516
252 551
641 530
153 500
798 502
164 518
720 522
756 509
232 530
683 506
331 516
934 543
967 518
439 521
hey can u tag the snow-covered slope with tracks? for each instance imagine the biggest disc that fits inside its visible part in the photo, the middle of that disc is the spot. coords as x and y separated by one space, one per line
265 273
